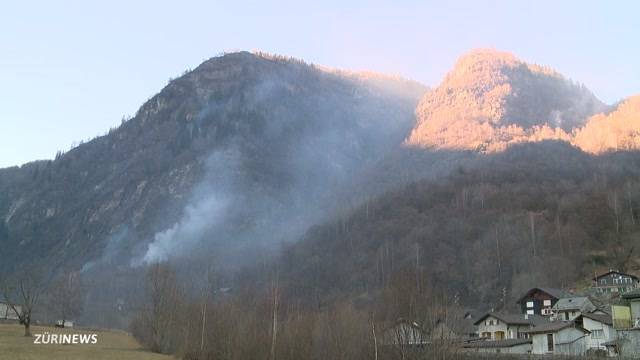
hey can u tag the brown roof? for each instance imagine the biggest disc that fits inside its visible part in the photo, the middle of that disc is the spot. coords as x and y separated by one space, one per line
556 293
603 318
497 343
555 326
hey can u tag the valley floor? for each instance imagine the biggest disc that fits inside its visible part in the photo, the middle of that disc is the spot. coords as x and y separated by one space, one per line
110 345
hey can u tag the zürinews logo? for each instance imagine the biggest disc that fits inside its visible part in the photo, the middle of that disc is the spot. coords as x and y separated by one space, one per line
64 339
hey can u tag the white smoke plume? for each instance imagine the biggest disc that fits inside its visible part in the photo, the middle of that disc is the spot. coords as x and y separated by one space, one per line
183 235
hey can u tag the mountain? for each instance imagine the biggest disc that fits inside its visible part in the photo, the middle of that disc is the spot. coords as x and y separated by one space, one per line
354 185
247 149
492 99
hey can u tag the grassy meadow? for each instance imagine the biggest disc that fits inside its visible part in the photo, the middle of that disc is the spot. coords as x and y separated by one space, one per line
116 345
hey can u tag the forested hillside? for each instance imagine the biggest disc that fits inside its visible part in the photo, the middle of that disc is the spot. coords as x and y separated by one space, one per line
541 214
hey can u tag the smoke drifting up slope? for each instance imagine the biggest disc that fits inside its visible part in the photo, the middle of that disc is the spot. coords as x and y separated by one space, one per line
246 149
277 138
301 135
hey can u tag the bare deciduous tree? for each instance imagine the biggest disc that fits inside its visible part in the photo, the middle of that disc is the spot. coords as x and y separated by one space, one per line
21 291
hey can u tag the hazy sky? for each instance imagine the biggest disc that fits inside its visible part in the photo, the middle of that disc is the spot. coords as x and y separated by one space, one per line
69 70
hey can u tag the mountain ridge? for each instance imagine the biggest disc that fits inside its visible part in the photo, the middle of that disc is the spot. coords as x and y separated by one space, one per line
491 99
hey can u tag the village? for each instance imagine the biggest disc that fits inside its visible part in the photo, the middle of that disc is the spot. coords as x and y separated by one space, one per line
601 321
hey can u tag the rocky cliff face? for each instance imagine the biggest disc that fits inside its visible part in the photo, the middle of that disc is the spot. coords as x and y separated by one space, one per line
250 136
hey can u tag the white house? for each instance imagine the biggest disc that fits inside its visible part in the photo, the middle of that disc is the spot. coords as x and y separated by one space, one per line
497 326
601 328
559 338
64 324
570 308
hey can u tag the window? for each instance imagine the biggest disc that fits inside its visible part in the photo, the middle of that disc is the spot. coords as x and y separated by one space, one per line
529 304
529 312
547 303
549 342
597 334
546 311
603 281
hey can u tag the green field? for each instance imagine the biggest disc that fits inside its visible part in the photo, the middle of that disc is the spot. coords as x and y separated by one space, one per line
115 345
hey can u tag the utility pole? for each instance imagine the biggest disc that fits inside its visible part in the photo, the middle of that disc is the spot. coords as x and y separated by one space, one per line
274 322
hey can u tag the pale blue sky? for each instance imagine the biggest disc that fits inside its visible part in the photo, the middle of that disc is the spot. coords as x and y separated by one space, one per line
69 70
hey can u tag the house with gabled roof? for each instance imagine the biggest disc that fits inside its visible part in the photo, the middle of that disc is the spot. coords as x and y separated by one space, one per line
601 328
539 301
614 281
569 308
559 338
499 326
